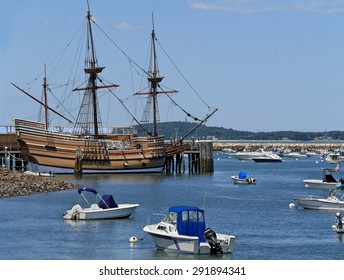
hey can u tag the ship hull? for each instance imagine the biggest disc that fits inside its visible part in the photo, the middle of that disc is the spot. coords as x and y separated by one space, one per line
59 153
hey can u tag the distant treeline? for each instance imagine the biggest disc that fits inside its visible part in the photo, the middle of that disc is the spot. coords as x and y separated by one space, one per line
171 130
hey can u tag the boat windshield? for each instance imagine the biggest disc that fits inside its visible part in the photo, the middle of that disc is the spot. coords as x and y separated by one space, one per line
193 216
171 218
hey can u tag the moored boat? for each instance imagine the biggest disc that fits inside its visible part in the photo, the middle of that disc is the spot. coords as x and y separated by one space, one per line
105 207
327 182
268 157
183 230
312 202
243 179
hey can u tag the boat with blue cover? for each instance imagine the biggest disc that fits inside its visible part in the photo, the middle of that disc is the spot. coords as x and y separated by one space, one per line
243 179
104 207
184 230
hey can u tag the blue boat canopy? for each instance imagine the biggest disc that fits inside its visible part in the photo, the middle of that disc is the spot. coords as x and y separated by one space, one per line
86 190
190 221
242 175
107 201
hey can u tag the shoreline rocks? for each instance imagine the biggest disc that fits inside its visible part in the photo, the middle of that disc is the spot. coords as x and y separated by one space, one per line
14 183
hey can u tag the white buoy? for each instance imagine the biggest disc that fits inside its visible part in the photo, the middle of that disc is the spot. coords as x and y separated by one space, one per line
133 239
292 206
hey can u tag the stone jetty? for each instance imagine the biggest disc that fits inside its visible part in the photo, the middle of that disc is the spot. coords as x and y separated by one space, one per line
293 146
13 183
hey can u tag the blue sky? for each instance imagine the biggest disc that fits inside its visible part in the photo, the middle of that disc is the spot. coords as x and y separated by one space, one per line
266 65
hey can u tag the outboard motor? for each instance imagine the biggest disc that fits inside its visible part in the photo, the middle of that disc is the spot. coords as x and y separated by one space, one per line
211 238
339 222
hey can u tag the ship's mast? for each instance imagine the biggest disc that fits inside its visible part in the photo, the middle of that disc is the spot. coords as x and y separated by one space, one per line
154 79
89 117
45 85
93 71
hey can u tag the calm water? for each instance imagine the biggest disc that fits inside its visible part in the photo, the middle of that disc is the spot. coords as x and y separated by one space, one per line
32 227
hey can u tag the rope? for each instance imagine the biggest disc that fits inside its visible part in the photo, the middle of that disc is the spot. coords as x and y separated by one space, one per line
122 103
123 52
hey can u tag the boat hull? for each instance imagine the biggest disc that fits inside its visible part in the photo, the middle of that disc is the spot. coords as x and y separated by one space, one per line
60 153
247 156
320 203
266 160
187 244
61 170
245 181
320 184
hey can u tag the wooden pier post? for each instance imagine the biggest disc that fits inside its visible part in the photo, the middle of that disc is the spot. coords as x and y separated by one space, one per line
206 156
78 163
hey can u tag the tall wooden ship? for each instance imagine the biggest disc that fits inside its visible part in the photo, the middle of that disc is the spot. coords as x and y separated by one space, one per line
87 148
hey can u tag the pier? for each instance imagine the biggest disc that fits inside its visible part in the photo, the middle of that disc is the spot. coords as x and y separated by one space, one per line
199 159
10 154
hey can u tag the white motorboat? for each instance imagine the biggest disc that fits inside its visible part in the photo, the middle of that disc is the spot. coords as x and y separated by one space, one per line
106 208
42 174
338 227
268 157
334 158
332 202
295 155
327 182
248 155
243 179
184 230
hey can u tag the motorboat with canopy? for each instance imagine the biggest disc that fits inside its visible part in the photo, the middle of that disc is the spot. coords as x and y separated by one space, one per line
327 182
104 207
243 179
184 230
314 202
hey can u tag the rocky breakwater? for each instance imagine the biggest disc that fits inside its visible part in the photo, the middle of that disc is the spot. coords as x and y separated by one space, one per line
268 146
13 183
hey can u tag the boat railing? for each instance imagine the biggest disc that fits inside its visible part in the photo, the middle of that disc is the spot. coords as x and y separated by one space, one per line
7 129
117 130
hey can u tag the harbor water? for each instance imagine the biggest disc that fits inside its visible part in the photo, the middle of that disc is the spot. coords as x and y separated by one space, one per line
32 227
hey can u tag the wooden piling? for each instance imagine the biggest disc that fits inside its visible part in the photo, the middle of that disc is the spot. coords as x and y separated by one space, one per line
206 156
78 163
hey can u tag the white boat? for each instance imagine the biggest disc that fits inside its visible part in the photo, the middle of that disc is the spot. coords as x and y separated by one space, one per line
332 202
184 230
334 158
42 174
106 208
268 157
243 179
314 154
338 227
248 155
295 155
327 182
